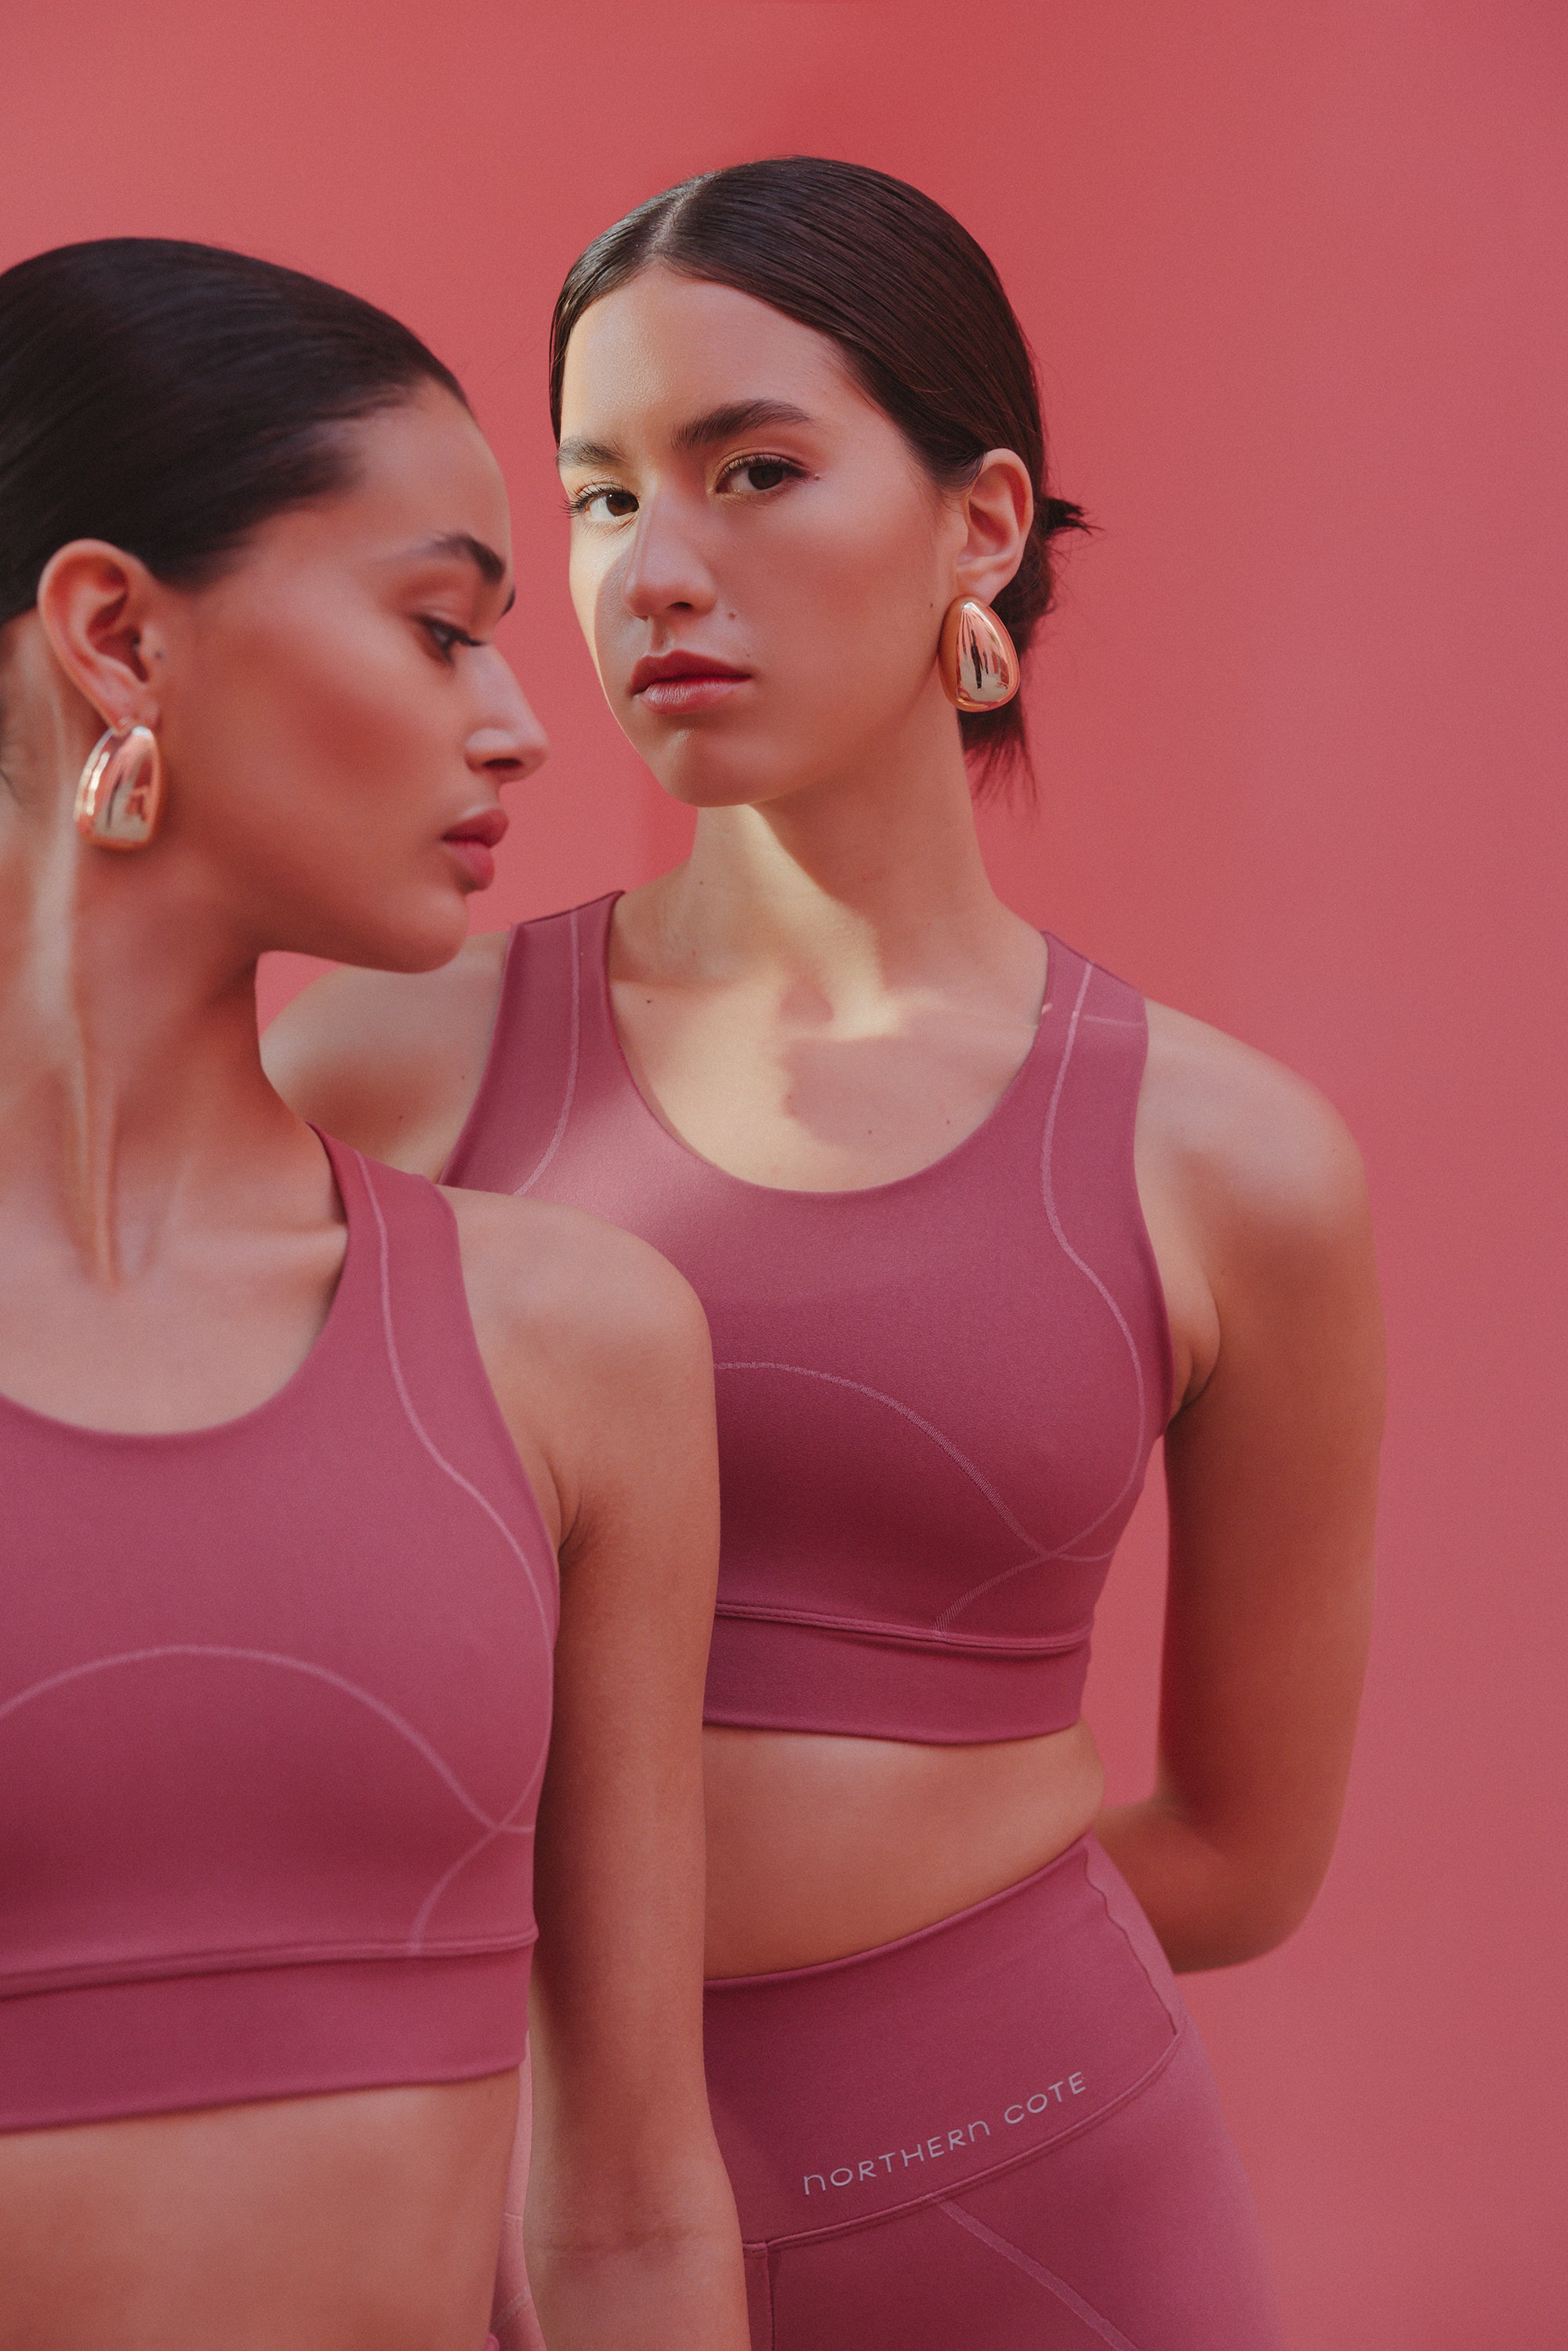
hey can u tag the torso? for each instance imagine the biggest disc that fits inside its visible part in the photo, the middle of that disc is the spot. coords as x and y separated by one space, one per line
823 1841
283 2210
369 2217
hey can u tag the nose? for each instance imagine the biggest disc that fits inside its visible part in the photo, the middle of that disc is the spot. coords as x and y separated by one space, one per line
508 744
665 570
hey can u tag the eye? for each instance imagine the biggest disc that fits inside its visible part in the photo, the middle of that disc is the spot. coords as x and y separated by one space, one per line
443 636
760 474
602 503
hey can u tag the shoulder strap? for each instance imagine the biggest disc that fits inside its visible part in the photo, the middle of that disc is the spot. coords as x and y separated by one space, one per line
527 1093
1087 1171
424 1336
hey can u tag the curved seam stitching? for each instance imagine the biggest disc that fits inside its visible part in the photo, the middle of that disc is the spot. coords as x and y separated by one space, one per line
305 1666
570 1095
414 1422
1084 1268
1063 1555
1145 2080
836 1379
535 1778
1040 1554
1107 2330
422 1917
1048 1198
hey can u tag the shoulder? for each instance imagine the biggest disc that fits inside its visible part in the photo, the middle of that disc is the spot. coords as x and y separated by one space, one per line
580 1294
390 1060
1257 1157
597 1351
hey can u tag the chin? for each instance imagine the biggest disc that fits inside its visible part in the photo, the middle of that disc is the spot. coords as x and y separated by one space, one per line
427 936
705 779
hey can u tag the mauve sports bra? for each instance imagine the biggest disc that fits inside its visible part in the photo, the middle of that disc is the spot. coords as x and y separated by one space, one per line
937 1398
275 1699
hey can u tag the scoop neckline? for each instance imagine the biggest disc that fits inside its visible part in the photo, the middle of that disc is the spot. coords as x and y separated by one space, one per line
1047 1005
304 1369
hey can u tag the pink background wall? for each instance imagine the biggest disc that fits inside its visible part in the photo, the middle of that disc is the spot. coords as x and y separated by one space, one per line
1294 280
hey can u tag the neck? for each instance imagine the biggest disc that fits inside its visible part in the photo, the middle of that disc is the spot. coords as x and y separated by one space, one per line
131 1080
872 879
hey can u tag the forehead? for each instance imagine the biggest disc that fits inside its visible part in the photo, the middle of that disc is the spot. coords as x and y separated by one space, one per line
420 471
664 348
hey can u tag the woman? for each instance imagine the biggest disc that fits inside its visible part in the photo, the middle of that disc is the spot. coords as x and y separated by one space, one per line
972 1228
291 1443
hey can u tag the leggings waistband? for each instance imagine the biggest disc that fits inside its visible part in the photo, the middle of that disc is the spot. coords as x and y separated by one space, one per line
853 2088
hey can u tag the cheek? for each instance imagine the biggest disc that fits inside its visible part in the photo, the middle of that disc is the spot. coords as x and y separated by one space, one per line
601 614
311 721
849 604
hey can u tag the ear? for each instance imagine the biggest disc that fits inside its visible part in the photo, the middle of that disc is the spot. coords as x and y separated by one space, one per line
94 603
999 512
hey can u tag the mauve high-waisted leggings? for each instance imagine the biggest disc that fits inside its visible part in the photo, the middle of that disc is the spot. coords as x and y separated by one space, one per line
1000 2134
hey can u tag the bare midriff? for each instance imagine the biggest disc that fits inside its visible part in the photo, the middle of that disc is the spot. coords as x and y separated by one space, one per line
820 1846
366 2217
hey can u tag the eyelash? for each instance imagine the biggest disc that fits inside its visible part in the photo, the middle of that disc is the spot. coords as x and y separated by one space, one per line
445 638
579 504
786 466
584 499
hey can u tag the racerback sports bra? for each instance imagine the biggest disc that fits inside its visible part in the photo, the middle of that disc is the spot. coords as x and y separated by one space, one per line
937 1398
275 1700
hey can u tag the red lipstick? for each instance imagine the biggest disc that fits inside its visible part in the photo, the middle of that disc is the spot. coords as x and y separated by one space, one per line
473 842
677 685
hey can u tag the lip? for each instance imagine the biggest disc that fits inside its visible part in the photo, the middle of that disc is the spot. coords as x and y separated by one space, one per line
679 682
473 842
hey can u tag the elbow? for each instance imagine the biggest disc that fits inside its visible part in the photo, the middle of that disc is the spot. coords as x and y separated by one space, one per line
1251 1930
1216 1895
1250 1912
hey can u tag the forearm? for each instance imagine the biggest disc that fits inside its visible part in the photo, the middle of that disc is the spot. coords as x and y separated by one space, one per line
1211 1905
682 2291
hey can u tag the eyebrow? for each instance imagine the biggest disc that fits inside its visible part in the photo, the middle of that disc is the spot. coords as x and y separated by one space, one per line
736 416
491 567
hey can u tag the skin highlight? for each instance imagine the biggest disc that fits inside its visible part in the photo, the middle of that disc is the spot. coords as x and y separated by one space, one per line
830 994
337 726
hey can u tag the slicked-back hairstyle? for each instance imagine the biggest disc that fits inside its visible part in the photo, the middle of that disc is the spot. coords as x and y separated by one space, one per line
170 397
914 303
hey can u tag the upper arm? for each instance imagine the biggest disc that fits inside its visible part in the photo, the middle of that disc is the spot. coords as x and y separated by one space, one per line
391 1061
611 1369
1271 1462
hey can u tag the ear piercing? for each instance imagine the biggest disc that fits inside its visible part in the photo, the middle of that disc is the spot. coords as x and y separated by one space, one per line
119 798
977 659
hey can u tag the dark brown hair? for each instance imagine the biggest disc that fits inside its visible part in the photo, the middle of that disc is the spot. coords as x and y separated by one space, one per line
911 300
170 397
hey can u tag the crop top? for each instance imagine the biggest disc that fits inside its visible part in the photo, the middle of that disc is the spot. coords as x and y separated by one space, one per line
275 1699
937 1398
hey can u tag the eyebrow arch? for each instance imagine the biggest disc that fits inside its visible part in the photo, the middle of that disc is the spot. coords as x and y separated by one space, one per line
490 566
736 416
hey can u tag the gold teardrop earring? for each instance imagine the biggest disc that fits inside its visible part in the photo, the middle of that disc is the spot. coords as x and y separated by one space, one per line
977 658
120 799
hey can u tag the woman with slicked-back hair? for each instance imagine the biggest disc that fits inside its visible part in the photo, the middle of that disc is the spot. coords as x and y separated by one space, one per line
359 1538
974 1228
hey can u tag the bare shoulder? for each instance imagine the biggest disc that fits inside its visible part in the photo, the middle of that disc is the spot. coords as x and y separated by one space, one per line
390 1060
591 1302
1254 1151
